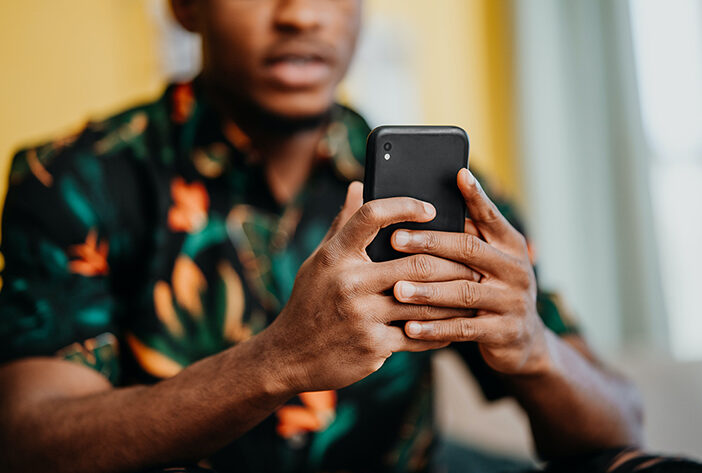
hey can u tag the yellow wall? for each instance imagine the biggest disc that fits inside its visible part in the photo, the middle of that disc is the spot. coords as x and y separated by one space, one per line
66 60
464 67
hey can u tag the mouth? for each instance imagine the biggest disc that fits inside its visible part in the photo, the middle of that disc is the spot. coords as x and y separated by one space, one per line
297 69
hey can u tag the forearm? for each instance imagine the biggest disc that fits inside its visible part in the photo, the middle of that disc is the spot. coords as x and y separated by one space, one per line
183 418
575 406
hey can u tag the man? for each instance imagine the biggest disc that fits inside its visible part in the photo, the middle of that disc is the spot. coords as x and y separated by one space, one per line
178 289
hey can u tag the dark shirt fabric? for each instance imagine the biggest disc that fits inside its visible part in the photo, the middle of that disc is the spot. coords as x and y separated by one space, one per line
151 240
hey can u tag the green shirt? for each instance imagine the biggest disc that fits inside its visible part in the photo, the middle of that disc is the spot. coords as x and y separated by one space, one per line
151 240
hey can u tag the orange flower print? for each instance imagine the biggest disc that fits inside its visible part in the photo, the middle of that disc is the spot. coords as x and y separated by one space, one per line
90 257
190 205
316 413
183 102
153 361
188 285
166 313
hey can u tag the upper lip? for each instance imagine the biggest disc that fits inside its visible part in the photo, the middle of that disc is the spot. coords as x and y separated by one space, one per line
300 50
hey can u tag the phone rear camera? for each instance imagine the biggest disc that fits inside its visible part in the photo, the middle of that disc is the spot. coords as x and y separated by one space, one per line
387 146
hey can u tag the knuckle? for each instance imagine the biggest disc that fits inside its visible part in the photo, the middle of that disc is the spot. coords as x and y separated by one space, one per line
468 294
369 213
425 312
345 284
470 245
352 282
414 312
430 242
422 267
493 215
490 213
345 309
465 330
353 324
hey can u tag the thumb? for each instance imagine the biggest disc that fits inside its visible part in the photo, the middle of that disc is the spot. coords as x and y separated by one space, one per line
353 202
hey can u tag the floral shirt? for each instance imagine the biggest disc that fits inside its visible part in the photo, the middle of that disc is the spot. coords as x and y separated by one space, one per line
151 240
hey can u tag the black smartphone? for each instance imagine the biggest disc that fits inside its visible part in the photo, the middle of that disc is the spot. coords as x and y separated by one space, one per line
420 162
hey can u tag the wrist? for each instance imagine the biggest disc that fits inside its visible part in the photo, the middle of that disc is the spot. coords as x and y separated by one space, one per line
253 366
284 374
543 359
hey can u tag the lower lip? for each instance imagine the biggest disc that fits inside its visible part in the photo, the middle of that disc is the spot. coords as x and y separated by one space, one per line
298 75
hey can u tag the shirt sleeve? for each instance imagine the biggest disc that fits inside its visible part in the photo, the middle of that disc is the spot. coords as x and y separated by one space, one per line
61 245
549 305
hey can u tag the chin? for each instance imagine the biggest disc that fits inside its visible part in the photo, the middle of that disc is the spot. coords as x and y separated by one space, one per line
297 105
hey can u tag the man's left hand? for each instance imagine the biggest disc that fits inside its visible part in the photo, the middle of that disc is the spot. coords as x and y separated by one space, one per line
507 327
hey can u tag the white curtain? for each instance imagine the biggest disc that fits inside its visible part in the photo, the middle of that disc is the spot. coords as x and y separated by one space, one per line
668 50
586 169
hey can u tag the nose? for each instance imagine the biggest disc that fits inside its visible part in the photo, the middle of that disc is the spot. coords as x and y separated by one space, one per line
298 16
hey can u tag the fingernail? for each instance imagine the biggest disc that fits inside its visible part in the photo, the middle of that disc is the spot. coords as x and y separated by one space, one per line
402 238
413 328
429 209
407 290
470 178
463 177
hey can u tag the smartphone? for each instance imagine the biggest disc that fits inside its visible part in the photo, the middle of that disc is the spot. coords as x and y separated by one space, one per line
420 162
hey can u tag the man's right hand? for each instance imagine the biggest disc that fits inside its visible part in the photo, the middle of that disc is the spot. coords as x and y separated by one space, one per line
337 326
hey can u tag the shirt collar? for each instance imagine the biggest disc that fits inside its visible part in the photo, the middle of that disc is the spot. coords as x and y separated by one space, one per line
212 146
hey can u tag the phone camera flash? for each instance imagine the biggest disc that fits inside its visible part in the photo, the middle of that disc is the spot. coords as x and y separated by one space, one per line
387 156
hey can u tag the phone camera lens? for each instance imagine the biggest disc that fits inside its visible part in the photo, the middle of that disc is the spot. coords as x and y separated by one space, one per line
387 146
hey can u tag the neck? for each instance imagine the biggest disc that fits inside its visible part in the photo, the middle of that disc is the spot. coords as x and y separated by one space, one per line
289 163
286 146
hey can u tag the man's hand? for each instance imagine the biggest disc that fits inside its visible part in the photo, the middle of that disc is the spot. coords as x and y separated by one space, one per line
574 404
506 325
337 326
